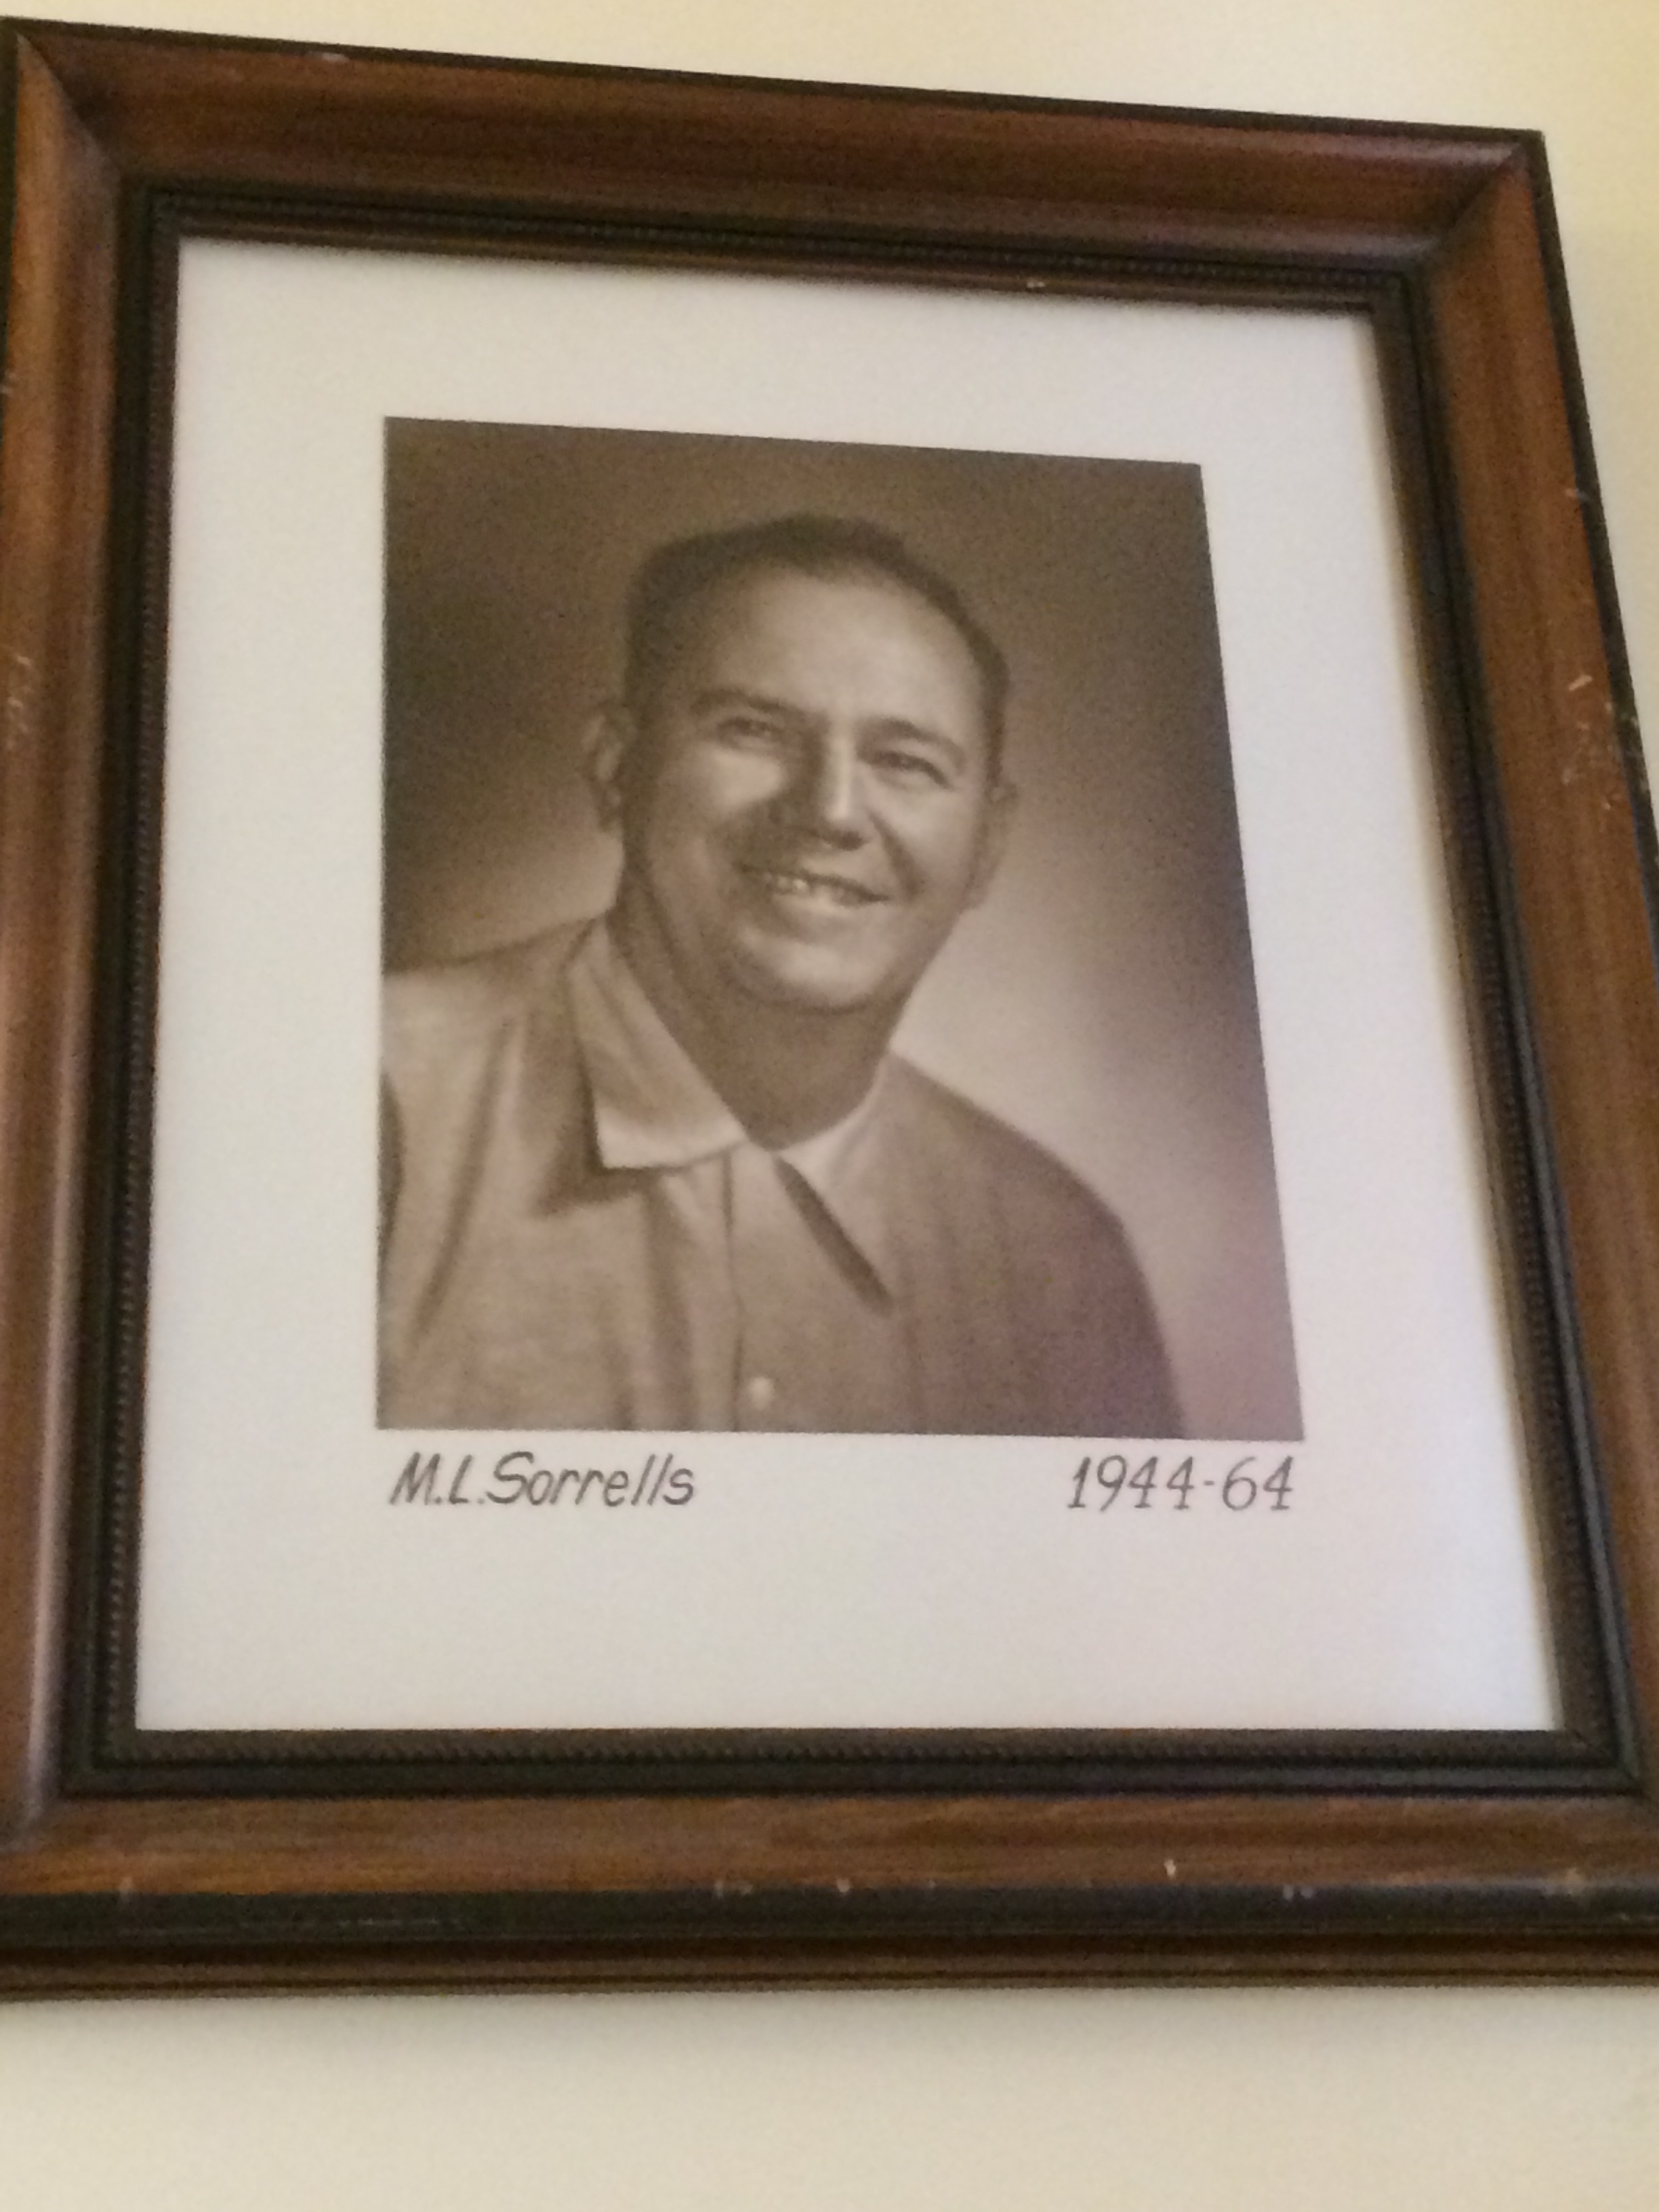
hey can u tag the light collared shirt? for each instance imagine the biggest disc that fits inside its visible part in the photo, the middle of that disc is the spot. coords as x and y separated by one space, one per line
582 1235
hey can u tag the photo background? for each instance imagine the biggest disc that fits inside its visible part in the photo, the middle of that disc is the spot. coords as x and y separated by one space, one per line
1101 1000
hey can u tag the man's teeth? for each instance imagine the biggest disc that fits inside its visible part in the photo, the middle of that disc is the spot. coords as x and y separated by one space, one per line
791 883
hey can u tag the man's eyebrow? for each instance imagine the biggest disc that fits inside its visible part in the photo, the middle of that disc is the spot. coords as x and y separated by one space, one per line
732 695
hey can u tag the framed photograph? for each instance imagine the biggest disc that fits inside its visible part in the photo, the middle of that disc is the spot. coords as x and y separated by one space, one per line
827 1021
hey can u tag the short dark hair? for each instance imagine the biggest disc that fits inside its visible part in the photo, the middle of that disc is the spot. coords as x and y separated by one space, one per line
822 545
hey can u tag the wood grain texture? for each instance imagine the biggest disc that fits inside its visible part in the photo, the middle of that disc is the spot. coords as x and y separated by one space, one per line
53 471
437 1891
1567 768
314 119
130 1879
633 1845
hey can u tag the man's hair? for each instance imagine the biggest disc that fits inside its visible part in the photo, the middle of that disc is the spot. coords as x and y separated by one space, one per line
672 578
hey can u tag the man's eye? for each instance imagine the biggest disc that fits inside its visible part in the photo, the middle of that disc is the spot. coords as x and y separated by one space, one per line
748 730
906 766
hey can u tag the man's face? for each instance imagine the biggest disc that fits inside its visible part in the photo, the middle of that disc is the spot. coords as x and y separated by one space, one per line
810 804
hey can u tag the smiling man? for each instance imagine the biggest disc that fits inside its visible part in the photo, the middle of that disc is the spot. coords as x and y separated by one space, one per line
661 1171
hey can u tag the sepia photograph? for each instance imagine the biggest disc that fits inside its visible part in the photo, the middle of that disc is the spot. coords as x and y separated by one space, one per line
819 987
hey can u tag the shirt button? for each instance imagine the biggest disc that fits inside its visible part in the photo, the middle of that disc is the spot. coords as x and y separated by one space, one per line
760 1394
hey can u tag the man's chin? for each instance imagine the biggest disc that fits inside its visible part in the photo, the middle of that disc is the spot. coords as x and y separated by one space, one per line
808 985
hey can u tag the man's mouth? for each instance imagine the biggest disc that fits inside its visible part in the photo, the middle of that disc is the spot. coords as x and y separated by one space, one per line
814 885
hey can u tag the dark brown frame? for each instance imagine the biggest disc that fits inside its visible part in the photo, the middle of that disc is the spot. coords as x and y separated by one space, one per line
237 1862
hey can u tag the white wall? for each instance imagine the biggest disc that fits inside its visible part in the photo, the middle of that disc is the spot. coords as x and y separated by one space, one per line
1533 2100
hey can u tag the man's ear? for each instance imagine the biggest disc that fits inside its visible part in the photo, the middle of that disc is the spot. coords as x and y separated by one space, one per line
1000 810
607 742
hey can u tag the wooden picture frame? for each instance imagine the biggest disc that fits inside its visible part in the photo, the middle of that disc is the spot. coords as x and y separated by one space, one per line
442 1857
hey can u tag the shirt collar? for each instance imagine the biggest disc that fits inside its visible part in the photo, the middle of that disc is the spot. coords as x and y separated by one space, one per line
841 1165
654 1107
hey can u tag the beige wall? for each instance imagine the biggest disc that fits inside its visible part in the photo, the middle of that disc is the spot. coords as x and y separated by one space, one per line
1186 2101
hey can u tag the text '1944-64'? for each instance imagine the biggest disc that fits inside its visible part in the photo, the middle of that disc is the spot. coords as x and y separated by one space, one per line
1254 1482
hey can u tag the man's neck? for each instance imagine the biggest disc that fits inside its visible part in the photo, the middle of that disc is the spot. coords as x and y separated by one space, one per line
786 1073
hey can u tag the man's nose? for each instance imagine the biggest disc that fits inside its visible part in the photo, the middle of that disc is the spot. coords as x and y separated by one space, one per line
826 793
